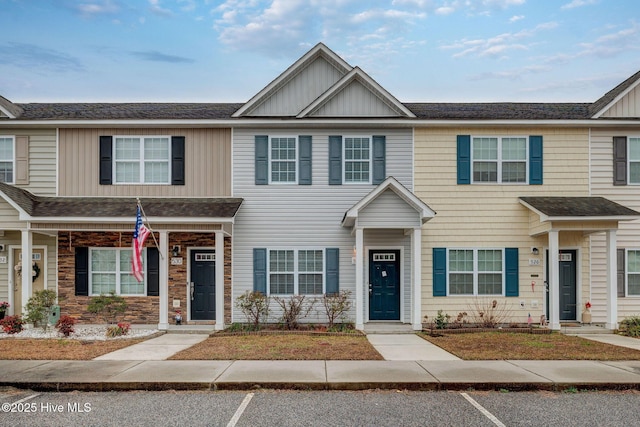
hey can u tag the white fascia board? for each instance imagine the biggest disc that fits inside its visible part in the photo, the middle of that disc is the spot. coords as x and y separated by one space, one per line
21 212
543 217
131 220
593 218
616 99
7 112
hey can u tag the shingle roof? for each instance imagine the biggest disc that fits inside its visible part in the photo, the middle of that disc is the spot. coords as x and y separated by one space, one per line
42 207
578 207
612 94
500 111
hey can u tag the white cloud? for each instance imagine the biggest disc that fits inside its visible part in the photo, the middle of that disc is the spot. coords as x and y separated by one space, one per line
577 3
95 8
154 6
516 18
445 10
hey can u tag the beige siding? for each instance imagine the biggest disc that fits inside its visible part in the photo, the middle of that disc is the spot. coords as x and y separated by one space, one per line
8 217
42 159
207 164
490 216
388 210
627 106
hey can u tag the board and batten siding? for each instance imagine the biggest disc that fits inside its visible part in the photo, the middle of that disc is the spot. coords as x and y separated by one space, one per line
291 216
355 100
490 215
627 106
207 164
628 234
42 159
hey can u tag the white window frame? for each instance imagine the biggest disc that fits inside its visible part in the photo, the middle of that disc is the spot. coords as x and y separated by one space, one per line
12 160
627 272
118 272
296 270
476 272
345 161
141 160
500 161
629 160
294 161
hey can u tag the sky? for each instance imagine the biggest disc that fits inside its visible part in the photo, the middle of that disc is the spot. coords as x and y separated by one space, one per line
227 51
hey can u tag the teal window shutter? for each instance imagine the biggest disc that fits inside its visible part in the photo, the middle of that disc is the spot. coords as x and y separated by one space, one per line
260 270
464 159
619 160
511 261
335 160
304 160
333 270
262 159
439 272
177 160
379 160
535 160
153 272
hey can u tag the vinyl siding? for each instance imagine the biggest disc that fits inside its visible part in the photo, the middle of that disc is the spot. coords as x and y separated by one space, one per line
207 171
627 106
355 100
387 211
8 217
490 216
302 216
628 234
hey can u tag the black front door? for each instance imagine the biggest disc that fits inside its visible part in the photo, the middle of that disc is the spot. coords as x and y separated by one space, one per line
384 285
203 284
568 284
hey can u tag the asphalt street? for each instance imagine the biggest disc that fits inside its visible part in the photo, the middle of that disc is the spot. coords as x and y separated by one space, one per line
320 408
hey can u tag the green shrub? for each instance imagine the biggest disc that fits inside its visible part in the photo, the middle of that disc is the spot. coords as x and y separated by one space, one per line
630 326
39 307
110 306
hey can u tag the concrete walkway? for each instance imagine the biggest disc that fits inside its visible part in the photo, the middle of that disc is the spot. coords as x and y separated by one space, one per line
613 339
160 348
407 347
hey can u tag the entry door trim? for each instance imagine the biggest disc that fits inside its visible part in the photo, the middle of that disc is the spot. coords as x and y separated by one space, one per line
578 280
367 250
187 259
11 263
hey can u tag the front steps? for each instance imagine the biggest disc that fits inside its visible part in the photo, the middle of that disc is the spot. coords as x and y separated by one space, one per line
388 328
583 329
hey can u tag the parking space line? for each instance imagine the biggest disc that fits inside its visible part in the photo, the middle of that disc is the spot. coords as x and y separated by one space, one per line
240 410
27 398
484 412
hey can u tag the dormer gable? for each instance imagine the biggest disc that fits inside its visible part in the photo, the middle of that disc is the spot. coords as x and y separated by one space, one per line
8 109
623 101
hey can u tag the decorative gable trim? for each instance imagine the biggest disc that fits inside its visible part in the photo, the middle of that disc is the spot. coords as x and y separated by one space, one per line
9 109
619 92
357 75
319 50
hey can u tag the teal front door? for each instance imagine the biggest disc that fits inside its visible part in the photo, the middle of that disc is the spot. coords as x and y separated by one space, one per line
384 285
203 285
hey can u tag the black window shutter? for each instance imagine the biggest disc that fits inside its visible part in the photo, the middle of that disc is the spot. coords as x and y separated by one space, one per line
621 272
335 160
260 270
82 271
153 272
619 160
177 160
379 161
333 270
304 160
106 153
262 159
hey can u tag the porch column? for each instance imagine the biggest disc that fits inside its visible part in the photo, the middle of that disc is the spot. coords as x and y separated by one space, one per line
416 263
360 288
554 280
219 280
612 281
163 321
27 259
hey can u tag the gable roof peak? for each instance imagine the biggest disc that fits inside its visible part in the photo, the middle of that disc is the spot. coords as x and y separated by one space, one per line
605 102
9 109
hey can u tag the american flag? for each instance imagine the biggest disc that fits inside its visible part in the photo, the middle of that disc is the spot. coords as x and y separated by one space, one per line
140 234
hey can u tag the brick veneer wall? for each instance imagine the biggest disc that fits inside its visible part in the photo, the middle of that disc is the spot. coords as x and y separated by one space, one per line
141 309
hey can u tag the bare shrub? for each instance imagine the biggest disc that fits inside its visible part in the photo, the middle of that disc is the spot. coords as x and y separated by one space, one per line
294 309
489 313
336 306
255 306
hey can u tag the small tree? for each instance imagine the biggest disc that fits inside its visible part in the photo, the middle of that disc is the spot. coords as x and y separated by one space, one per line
293 309
255 307
110 306
336 306
39 307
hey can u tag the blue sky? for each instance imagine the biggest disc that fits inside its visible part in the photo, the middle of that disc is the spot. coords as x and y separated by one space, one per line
226 51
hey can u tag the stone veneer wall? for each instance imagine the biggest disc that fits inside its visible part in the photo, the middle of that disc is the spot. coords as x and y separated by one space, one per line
141 309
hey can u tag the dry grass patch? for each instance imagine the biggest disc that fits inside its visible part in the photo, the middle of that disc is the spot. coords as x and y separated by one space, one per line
522 346
281 347
59 349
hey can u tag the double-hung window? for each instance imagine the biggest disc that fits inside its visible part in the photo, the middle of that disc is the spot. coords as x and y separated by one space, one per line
633 272
283 159
110 271
296 272
142 159
634 160
475 272
357 160
499 159
7 158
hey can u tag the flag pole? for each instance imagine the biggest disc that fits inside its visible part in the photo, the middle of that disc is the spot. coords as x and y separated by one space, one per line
150 229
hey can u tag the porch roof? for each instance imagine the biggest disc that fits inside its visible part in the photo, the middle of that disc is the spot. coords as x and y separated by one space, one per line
590 208
34 207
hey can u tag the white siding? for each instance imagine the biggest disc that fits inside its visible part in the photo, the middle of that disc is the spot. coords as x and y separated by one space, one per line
387 211
355 101
302 216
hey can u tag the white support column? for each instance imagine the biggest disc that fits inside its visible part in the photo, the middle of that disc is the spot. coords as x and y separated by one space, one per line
554 281
612 281
416 263
219 280
27 257
163 320
360 285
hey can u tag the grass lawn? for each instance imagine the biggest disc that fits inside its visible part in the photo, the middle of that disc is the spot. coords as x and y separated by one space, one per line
59 349
516 346
281 347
